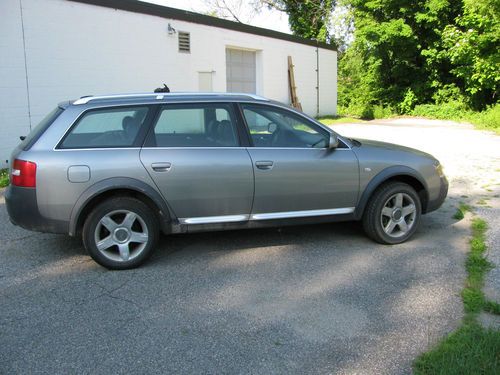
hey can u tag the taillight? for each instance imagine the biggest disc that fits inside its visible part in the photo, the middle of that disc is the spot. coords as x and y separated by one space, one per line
23 173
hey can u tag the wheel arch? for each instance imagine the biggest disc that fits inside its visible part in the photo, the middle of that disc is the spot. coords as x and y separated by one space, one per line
397 174
120 186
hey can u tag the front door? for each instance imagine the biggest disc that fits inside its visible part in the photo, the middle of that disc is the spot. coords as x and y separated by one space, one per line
296 175
194 156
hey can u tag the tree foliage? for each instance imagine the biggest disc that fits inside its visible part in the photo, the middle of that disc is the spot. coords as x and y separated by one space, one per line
407 52
307 18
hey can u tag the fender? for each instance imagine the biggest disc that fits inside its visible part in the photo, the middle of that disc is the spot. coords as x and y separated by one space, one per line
114 184
384 175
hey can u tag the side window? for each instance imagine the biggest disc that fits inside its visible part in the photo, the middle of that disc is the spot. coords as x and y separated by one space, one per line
110 127
275 127
200 125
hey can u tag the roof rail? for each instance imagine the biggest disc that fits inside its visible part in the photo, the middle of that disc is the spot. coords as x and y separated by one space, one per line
163 95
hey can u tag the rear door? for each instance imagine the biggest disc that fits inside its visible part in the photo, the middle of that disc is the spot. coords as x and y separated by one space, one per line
296 174
194 155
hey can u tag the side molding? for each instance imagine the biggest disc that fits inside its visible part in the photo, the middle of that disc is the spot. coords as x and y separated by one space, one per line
397 170
117 183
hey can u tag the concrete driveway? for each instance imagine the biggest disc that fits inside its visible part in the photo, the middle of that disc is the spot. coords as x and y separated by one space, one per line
310 299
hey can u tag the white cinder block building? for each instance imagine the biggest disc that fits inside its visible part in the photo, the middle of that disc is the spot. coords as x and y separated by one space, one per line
55 50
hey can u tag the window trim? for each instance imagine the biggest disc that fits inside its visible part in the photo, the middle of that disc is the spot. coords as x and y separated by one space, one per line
139 140
232 110
278 109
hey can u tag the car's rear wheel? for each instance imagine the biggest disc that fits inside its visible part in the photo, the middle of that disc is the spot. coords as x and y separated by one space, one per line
392 214
120 233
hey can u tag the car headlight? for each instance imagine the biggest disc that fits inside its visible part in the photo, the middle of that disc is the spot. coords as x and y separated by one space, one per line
439 168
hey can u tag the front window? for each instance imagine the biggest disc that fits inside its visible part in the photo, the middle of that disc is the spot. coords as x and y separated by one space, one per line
276 127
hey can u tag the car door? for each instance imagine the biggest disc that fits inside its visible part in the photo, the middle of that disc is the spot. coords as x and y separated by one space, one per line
296 174
194 156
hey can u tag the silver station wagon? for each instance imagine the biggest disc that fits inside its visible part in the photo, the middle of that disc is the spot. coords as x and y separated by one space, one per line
119 170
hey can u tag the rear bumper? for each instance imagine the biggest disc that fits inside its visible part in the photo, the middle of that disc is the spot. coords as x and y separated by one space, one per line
23 211
443 192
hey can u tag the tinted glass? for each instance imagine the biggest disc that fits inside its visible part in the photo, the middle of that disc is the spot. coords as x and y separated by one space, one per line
274 127
38 130
201 125
110 127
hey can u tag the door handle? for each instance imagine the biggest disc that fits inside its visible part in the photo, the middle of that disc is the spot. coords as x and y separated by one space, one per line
264 164
161 167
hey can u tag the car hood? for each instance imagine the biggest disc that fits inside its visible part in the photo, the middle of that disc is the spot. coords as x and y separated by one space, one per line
368 143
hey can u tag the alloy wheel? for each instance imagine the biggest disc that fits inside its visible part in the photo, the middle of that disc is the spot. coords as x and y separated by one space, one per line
121 235
398 215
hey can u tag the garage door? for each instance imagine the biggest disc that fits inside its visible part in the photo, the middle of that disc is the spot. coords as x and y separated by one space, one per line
240 71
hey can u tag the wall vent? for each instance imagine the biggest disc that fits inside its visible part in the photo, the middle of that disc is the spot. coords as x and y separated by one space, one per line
184 42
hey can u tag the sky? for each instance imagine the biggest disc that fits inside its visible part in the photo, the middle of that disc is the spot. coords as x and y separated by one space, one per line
269 19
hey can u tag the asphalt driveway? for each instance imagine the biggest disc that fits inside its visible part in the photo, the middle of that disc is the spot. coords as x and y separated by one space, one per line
310 299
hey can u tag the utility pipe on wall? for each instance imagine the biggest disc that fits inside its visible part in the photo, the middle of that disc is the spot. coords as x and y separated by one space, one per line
317 77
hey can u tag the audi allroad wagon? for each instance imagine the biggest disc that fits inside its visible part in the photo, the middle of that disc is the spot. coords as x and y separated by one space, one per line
119 170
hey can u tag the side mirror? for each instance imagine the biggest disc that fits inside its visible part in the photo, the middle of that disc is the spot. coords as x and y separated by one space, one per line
333 142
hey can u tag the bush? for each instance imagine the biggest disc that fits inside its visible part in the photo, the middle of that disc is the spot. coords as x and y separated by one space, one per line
365 111
408 103
488 119
380 111
453 110
448 93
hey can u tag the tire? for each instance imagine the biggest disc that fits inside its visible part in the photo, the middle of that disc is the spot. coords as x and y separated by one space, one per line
121 233
392 214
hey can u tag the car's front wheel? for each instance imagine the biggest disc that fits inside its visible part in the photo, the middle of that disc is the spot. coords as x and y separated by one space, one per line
392 214
120 233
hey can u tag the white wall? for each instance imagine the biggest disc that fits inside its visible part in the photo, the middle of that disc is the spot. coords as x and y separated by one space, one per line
14 119
75 49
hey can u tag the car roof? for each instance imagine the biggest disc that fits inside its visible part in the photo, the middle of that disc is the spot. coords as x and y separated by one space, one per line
168 97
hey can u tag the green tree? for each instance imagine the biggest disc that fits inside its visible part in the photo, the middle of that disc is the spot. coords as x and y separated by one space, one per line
470 49
423 50
307 18
390 36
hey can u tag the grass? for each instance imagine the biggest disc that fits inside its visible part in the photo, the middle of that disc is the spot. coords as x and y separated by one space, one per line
4 177
461 210
459 215
332 120
471 349
476 266
488 119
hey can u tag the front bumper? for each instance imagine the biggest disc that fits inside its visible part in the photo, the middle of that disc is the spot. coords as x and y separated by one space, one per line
443 192
23 211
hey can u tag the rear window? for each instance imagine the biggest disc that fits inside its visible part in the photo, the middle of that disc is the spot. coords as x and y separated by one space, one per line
106 128
38 130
